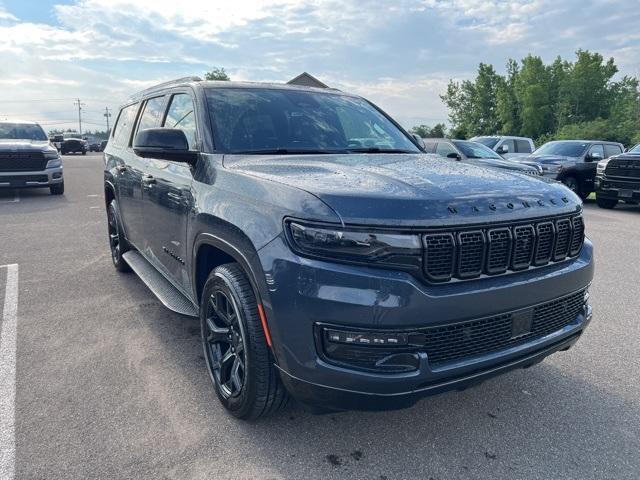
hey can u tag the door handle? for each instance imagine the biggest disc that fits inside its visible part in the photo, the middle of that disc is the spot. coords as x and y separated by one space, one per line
121 168
148 179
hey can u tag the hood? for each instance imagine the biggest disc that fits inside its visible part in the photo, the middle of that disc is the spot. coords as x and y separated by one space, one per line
500 163
410 189
544 159
13 145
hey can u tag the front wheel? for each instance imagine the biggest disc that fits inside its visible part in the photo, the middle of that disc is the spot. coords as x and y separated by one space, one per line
572 184
238 359
57 189
607 203
117 242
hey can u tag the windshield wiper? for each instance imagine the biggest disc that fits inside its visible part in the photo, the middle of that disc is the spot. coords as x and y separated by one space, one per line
379 150
286 151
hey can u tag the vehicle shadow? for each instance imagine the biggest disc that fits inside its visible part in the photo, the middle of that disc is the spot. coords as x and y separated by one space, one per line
542 422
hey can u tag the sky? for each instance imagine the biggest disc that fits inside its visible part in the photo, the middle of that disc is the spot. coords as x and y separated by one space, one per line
399 54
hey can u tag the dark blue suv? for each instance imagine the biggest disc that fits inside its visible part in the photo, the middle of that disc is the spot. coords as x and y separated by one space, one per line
327 256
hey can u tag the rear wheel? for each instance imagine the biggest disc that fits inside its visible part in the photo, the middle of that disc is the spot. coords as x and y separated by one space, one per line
238 359
607 203
117 242
57 189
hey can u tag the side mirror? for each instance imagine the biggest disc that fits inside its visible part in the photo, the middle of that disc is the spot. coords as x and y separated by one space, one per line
164 144
502 149
454 155
419 141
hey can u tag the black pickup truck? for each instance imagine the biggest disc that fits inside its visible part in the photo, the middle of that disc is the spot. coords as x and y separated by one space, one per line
618 179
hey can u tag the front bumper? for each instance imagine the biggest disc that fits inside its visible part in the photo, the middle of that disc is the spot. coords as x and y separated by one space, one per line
302 293
607 188
43 178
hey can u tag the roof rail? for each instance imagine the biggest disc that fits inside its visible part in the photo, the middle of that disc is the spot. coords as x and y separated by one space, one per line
169 83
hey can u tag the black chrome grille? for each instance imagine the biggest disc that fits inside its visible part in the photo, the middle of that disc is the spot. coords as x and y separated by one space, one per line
623 167
22 161
459 341
467 254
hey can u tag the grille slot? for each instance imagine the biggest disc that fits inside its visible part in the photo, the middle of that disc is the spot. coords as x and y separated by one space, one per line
500 243
471 254
524 240
577 238
22 161
545 233
467 254
563 239
624 168
440 249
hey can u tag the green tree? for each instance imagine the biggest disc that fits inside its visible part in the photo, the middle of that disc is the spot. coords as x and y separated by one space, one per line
507 106
532 93
425 131
217 74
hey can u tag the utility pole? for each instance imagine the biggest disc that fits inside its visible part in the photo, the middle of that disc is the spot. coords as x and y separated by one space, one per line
107 115
80 105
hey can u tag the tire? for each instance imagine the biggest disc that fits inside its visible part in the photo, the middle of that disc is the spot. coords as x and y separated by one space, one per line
239 362
572 184
117 243
57 189
84 153
607 203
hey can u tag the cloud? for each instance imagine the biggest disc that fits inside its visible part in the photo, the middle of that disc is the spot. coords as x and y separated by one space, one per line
399 54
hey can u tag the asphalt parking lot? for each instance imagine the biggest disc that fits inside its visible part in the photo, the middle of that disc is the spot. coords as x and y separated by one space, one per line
110 384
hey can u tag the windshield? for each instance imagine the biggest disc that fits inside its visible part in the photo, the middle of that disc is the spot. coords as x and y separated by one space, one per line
72 135
251 120
565 149
21 131
635 149
486 141
475 150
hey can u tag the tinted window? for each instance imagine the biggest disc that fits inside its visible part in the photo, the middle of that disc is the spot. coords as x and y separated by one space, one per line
523 146
181 115
636 149
22 131
252 120
610 150
122 129
486 141
597 150
475 150
445 149
151 113
566 149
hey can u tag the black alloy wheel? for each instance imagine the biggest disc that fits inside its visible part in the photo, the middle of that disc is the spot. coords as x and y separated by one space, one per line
225 343
237 354
117 242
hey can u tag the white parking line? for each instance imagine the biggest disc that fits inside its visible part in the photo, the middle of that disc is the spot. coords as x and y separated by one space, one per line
8 335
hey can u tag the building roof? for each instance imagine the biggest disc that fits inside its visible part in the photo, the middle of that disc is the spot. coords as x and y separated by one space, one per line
307 80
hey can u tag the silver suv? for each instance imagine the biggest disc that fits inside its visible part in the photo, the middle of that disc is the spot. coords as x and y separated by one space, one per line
27 159
507 146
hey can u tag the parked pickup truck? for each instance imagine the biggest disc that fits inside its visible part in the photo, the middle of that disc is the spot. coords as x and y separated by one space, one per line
327 256
618 179
27 159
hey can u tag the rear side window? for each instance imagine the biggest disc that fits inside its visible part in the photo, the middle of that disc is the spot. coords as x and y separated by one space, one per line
122 129
610 150
181 115
522 146
151 113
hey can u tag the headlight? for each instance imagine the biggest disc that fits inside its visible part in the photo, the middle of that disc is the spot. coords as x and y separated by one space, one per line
602 166
354 245
54 159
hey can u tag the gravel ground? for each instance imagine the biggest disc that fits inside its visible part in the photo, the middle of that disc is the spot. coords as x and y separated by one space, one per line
110 384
